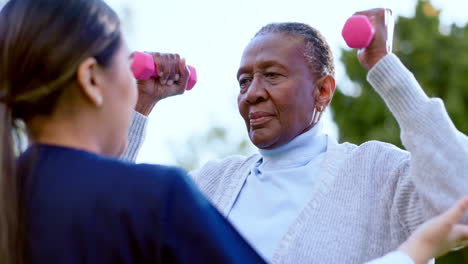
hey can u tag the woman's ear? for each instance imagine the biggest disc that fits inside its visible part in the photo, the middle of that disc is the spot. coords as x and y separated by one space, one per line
88 76
323 93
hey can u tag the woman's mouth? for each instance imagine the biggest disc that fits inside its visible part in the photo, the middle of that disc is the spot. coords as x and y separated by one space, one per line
259 118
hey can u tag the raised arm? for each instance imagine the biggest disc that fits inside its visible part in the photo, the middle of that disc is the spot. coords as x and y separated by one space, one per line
435 176
172 81
136 136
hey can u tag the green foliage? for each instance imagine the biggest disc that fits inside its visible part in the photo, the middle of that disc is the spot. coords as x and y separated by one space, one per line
439 62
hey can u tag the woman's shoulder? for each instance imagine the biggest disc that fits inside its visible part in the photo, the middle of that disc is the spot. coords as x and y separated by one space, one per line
136 189
145 176
72 173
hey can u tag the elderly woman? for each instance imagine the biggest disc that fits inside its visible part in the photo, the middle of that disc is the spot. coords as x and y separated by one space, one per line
305 197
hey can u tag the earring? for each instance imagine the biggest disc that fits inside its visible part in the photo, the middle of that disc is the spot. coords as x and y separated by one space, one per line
317 114
99 100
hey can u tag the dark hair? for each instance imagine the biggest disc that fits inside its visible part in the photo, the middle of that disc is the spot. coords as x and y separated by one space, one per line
317 52
42 43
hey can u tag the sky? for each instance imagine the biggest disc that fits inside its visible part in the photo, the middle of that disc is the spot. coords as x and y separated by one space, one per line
211 35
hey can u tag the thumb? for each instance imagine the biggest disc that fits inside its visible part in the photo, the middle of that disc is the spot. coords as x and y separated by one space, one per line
184 72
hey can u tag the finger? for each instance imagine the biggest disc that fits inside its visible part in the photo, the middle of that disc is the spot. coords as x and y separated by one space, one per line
184 72
158 61
169 69
375 15
174 68
456 212
369 12
165 59
176 65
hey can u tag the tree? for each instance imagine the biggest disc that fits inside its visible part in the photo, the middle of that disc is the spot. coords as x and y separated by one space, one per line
439 60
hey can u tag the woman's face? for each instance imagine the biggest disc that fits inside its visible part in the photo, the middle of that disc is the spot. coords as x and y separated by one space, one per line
276 97
119 100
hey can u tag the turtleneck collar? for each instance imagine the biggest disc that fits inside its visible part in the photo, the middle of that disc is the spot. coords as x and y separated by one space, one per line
298 152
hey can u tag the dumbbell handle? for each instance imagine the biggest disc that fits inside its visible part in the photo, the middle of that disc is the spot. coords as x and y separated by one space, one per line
358 32
143 68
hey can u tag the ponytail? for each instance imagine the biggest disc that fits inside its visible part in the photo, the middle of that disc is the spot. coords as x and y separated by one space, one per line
11 245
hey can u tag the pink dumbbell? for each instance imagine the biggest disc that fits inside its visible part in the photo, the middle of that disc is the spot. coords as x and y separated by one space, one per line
143 68
358 32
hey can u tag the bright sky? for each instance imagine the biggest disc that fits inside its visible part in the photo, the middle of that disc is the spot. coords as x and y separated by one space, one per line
211 35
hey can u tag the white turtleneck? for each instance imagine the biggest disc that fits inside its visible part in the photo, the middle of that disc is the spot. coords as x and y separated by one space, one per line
276 190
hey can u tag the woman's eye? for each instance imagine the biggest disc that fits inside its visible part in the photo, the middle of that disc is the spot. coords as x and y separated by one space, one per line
243 82
272 74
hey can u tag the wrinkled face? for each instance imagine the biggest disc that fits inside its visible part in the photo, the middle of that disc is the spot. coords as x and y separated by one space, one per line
120 98
276 89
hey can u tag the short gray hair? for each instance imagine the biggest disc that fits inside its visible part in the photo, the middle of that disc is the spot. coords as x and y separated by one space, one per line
317 51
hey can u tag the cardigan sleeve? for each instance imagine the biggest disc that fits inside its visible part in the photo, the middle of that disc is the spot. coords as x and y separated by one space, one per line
436 173
136 136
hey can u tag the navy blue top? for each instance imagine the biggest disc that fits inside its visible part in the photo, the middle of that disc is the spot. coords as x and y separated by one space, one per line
85 208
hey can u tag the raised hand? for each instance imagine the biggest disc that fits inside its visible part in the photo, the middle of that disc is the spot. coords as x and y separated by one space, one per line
381 45
173 78
439 235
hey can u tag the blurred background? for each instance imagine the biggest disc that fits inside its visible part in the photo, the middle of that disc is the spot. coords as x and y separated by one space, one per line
431 38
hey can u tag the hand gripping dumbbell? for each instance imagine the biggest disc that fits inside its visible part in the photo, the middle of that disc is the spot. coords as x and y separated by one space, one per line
143 68
358 32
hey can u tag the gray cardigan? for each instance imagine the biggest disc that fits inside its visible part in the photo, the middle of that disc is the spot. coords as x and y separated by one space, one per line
367 199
